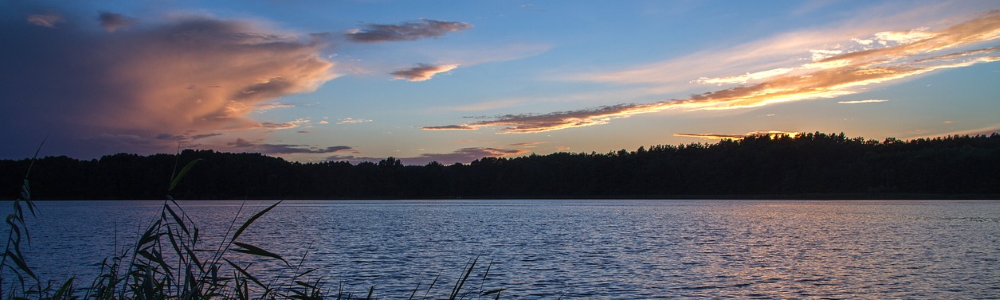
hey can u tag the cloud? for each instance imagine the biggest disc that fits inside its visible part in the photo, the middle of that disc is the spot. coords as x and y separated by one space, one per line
745 78
422 72
170 137
407 31
975 131
715 136
528 123
49 21
464 155
263 107
189 73
353 121
207 135
527 144
829 77
287 125
453 127
112 21
863 101
285 148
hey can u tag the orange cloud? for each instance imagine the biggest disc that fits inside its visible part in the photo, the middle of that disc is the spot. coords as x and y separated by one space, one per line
828 77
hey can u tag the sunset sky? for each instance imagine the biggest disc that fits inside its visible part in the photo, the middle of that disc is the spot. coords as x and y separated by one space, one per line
454 81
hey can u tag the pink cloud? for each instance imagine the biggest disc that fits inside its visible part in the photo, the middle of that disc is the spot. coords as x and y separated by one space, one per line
188 76
49 21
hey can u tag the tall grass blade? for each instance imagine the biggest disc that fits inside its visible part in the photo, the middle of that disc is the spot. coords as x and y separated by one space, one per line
496 291
254 250
65 291
428 291
461 282
19 261
246 274
414 292
177 179
177 219
26 191
487 273
37 150
252 219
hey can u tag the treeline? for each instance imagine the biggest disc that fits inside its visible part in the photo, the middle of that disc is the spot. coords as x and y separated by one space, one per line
811 165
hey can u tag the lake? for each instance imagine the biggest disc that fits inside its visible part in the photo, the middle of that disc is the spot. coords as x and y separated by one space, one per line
582 249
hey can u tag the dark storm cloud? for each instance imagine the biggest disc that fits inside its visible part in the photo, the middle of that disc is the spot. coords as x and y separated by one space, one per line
407 31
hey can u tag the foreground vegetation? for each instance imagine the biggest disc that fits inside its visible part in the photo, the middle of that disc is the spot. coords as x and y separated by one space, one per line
169 261
811 165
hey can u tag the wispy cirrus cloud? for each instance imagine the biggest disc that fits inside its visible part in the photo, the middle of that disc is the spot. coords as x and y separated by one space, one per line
527 144
353 121
263 107
828 77
863 101
406 31
422 72
286 125
742 79
45 20
186 75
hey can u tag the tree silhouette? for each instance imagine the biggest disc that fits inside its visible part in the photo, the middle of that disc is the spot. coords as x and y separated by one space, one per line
808 165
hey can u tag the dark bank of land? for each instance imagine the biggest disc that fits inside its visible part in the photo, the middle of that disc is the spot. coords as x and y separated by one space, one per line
809 166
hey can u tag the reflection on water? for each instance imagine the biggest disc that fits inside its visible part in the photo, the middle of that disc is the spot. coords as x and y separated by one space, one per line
607 249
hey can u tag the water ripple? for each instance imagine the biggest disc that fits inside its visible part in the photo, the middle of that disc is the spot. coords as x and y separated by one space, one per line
587 249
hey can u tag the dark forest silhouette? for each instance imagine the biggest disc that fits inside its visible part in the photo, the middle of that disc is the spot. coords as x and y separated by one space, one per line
811 165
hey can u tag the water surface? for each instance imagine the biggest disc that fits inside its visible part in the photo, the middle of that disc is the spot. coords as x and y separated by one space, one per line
587 249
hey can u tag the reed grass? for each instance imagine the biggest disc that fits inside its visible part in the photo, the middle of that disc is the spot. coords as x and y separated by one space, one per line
170 261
